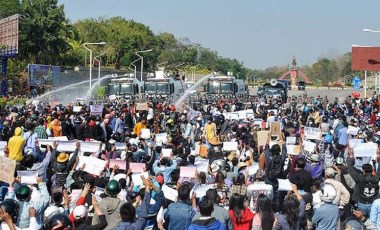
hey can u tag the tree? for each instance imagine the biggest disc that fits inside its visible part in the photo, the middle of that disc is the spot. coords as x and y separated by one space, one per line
9 7
326 70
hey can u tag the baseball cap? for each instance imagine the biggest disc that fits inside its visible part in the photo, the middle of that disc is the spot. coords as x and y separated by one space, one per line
80 212
329 172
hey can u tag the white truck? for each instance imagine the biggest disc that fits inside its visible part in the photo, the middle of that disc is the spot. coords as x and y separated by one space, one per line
124 86
168 88
226 86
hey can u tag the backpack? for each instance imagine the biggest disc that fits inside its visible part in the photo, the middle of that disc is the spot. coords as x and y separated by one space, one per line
275 168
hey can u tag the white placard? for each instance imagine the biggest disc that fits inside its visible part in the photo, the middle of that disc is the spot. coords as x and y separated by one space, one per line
353 142
96 109
169 193
3 144
312 133
188 172
291 140
145 133
309 146
253 169
93 165
162 137
136 178
352 130
167 152
201 190
258 122
293 149
230 146
202 167
284 185
77 109
233 116
60 138
120 146
28 177
365 150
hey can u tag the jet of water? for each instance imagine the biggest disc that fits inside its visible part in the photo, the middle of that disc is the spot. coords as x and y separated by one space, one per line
90 92
188 91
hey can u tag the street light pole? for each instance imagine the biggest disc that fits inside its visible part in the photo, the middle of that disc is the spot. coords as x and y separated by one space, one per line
84 45
135 66
142 60
99 62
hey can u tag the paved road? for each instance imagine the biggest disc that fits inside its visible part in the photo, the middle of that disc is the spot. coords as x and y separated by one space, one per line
330 93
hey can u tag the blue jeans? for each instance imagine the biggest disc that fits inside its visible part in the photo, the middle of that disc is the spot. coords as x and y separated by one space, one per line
365 209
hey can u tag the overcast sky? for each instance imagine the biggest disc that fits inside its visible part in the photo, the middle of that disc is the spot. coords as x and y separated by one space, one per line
259 33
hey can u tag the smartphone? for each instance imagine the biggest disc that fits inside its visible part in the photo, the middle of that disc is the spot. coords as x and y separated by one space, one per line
43 146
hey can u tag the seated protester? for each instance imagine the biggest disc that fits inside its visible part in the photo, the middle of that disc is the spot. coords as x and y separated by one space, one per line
222 188
110 205
239 185
179 214
258 187
206 221
241 216
174 177
80 214
264 216
327 215
61 163
366 184
293 212
300 171
219 213
9 211
23 194
128 211
164 166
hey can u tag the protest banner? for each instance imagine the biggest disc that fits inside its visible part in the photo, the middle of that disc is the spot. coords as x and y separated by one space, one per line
262 138
230 146
142 107
365 150
59 138
275 128
284 185
232 116
169 193
136 167
145 133
188 172
28 177
312 133
122 164
7 169
136 178
291 140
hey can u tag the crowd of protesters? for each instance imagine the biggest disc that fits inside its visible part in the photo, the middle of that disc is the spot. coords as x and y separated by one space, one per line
330 187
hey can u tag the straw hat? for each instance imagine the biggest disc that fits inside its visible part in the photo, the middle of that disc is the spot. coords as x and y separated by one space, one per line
62 157
241 165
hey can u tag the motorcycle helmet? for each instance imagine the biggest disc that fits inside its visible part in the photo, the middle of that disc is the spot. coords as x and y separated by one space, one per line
113 188
23 192
328 193
59 221
11 207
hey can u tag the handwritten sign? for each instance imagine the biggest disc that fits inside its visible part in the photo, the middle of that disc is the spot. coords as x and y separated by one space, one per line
275 128
28 177
120 163
137 167
96 109
312 133
365 150
262 137
230 146
145 133
141 106
309 146
188 172
7 169
293 149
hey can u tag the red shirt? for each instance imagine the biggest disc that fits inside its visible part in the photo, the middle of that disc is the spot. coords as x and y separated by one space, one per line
245 221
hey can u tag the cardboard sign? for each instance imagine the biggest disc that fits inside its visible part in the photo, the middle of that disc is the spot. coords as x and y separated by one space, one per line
291 140
145 133
365 150
262 138
7 169
120 163
312 133
188 172
142 107
93 165
28 177
293 149
309 146
167 152
137 167
96 109
230 146
275 128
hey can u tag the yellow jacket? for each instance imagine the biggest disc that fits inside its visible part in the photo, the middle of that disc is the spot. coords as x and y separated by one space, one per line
15 145
138 127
